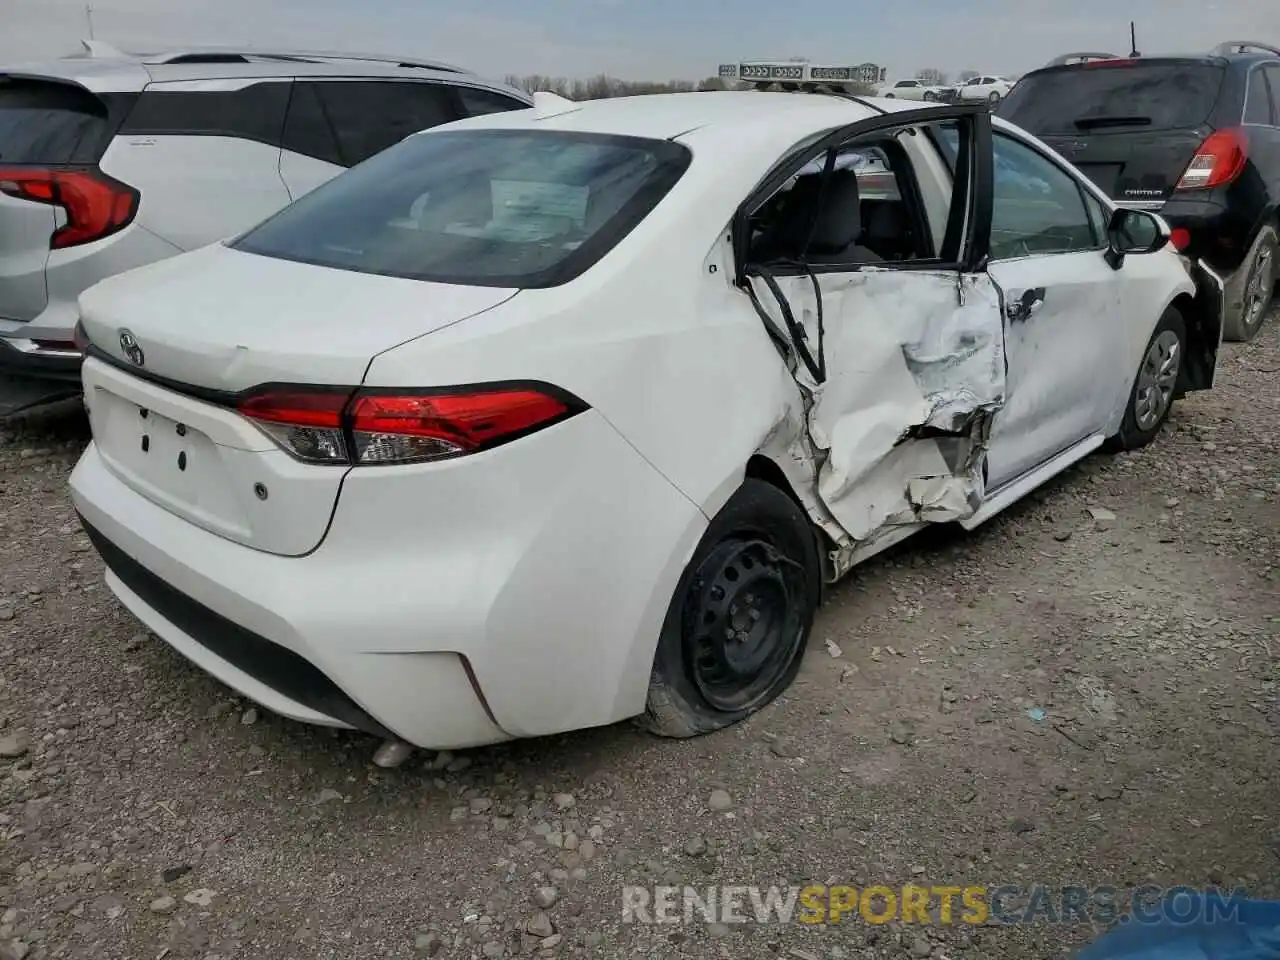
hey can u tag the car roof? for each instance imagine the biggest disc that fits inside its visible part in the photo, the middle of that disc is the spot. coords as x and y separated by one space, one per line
666 116
1210 59
104 69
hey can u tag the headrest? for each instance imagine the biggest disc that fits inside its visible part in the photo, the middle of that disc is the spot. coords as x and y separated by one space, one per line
838 223
887 220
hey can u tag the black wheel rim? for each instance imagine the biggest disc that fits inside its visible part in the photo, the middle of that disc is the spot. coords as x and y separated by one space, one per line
742 622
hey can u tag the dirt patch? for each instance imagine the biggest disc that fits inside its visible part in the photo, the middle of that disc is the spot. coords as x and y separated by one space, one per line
1084 691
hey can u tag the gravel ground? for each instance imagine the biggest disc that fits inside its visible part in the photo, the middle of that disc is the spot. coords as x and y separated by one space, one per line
1086 690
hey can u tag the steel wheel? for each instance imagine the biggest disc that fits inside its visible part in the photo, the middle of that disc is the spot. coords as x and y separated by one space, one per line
1157 378
743 622
740 616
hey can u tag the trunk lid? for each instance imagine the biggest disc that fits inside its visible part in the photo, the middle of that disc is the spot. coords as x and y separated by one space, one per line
224 320
44 123
212 323
1132 167
1131 126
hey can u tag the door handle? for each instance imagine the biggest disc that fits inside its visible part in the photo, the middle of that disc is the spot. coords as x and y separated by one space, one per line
1026 306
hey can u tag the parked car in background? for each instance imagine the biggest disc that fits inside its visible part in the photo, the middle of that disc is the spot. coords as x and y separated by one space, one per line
426 453
989 88
917 90
110 161
1193 138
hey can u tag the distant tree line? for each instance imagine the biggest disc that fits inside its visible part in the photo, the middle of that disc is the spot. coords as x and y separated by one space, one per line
602 87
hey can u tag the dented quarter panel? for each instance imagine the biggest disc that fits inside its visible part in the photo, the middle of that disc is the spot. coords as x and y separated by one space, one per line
906 352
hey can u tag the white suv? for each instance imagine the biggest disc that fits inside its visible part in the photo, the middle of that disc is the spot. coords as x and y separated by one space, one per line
109 161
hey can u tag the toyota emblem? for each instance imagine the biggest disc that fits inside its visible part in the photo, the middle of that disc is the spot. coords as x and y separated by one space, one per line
132 349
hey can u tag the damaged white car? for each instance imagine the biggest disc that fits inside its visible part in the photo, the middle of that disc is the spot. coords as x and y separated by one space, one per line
551 418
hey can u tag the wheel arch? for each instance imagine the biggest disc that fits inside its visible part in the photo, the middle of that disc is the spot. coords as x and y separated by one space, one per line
766 469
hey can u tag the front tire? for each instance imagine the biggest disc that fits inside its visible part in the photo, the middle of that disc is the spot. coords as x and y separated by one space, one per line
736 628
993 97
930 96
1154 384
1258 290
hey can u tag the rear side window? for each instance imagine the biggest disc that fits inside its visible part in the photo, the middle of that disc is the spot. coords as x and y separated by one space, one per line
369 116
1138 95
255 112
503 208
51 123
1257 104
1272 72
476 102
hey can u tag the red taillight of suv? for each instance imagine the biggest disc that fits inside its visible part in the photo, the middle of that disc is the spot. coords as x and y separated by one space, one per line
96 205
376 426
1218 161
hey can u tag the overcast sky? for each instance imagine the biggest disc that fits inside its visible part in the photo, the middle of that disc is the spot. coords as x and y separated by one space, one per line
653 39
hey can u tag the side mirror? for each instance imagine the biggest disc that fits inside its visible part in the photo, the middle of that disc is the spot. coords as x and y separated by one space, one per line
1134 231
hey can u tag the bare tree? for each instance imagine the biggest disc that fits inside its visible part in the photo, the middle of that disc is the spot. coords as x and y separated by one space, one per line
599 87
968 75
932 74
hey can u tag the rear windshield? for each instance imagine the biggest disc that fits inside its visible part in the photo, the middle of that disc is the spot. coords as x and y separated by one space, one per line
510 208
50 123
1167 95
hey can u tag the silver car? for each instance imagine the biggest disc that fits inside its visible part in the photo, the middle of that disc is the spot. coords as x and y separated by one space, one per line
109 161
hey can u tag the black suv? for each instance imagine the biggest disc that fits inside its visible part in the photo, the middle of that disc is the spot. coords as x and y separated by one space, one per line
1194 138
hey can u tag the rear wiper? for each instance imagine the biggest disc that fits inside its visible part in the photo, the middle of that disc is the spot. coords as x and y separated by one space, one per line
1092 123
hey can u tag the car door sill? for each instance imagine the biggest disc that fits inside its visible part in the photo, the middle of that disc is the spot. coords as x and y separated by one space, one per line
1014 490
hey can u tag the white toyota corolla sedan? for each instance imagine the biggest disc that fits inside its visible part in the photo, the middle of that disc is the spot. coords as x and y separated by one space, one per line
550 418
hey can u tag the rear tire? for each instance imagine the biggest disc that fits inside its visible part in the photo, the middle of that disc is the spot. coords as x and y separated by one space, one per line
736 629
993 97
1257 291
1154 384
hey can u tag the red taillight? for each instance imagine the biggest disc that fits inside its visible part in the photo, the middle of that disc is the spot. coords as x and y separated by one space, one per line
402 426
307 423
1180 238
96 205
1218 161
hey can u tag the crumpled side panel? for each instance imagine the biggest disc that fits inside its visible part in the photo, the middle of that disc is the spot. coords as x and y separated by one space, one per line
915 367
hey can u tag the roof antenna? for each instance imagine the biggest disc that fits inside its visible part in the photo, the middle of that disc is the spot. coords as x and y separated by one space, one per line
88 15
1133 40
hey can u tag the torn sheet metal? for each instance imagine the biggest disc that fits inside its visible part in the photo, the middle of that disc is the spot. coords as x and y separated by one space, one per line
789 446
915 368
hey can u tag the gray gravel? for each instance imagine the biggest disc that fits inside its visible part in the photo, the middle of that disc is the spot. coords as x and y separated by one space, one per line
1085 690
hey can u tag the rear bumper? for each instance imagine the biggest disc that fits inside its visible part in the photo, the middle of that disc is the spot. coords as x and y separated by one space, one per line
293 685
59 362
450 605
1219 237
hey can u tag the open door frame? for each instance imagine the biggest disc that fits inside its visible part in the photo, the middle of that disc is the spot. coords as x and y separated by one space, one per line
966 242
918 371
